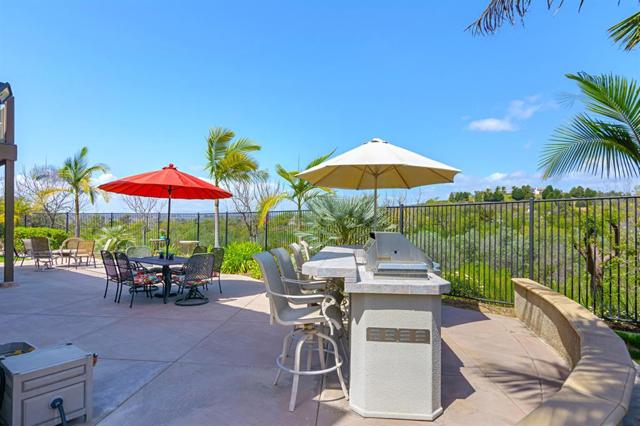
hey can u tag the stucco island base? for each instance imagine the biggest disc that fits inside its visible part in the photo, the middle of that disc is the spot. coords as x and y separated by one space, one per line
399 380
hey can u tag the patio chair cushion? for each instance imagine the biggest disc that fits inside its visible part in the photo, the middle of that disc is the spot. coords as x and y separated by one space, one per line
142 278
179 279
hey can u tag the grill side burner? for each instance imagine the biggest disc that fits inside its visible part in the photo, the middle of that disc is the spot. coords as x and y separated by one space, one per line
391 254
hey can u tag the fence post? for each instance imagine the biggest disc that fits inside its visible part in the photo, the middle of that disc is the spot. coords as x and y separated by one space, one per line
158 226
401 218
66 223
226 228
198 227
266 232
111 219
531 207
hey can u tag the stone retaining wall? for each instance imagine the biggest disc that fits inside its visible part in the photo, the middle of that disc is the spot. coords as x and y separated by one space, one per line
598 390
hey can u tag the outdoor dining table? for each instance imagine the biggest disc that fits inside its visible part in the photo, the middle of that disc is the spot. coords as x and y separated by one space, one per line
166 269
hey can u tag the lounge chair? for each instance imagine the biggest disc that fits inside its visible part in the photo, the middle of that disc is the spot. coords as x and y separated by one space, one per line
67 250
85 250
40 252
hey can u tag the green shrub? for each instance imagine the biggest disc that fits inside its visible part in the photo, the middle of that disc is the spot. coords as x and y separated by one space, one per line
117 235
238 259
55 236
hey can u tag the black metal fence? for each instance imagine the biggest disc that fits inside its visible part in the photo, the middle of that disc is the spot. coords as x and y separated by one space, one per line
586 249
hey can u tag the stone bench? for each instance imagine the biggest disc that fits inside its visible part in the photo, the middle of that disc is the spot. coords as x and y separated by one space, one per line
598 390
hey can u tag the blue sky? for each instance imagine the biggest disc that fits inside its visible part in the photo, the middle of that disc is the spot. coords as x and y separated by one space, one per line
141 82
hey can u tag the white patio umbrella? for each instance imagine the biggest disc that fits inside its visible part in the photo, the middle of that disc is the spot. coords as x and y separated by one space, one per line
378 164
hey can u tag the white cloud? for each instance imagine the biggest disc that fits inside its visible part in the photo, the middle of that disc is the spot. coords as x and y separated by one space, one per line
496 176
518 110
103 178
522 109
492 125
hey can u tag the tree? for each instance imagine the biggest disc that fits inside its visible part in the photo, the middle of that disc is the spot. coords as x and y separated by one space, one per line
144 207
300 190
77 175
590 193
459 197
498 12
517 194
228 160
253 198
605 144
551 193
341 221
44 189
576 192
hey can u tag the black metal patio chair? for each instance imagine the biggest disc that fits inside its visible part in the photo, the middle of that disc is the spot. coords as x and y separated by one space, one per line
111 271
218 258
197 273
134 279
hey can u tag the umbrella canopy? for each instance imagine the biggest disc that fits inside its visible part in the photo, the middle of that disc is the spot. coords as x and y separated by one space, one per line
166 183
379 164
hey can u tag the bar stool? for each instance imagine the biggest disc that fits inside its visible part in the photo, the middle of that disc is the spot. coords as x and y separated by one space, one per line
309 323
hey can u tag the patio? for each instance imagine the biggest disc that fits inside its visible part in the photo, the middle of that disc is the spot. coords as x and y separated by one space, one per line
165 364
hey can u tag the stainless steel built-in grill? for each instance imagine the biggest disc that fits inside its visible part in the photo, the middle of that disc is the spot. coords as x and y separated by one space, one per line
391 254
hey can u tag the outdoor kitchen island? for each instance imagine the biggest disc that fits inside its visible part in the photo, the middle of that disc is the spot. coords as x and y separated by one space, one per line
395 318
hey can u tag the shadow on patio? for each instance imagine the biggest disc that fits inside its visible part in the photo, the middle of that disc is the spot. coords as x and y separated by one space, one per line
214 364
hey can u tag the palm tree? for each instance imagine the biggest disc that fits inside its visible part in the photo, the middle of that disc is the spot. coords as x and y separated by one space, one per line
340 221
77 174
605 142
300 190
498 12
228 159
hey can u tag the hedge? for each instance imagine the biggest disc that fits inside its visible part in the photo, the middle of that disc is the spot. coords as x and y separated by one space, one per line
55 236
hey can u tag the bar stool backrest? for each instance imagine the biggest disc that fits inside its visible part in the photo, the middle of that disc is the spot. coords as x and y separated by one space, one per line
306 250
273 284
284 261
297 255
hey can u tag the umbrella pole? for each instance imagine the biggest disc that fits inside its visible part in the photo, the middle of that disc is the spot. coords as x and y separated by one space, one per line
168 240
375 202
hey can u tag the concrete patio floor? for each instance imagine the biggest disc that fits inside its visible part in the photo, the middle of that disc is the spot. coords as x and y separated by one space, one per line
214 364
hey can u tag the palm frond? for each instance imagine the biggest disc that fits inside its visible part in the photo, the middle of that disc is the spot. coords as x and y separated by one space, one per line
244 145
627 32
612 96
267 203
321 159
591 146
498 12
285 174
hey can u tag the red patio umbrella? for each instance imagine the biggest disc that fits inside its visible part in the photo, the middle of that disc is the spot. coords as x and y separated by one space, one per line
166 183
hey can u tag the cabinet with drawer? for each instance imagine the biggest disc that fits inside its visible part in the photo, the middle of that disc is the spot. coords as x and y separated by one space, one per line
35 379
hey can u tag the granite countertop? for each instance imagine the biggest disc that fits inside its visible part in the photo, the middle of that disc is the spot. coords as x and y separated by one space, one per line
340 262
